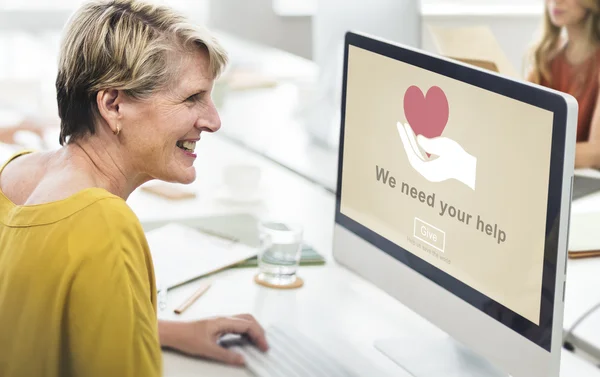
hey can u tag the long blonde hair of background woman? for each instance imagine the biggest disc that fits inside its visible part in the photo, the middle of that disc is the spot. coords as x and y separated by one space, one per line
550 42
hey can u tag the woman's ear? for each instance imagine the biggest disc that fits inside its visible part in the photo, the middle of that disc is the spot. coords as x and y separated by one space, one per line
109 102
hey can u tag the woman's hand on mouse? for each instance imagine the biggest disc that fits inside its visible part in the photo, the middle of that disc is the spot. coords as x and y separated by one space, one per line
200 338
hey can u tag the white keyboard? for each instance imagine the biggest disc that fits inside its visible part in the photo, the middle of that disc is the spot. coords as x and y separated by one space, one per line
290 354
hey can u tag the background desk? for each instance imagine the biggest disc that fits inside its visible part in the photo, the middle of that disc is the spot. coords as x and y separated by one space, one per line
583 275
335 306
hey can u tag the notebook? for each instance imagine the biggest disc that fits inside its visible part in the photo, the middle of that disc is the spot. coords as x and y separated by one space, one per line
242 228
309 257
181 254
584 239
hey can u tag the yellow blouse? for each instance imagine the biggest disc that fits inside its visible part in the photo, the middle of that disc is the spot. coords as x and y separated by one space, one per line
77 291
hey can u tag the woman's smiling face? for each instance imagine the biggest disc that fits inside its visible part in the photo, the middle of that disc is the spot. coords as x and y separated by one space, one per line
160 133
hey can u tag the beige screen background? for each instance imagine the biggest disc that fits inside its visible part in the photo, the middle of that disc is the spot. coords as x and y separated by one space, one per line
511 141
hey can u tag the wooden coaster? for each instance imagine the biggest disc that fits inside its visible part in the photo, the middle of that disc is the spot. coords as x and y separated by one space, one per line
296 284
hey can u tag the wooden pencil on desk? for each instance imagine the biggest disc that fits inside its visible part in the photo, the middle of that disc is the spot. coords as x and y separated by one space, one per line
203 288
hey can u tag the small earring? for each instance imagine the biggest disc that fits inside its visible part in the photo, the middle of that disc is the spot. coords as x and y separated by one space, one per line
118 130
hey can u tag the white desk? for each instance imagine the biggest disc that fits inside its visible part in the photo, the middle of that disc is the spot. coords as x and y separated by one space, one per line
333 300
583 276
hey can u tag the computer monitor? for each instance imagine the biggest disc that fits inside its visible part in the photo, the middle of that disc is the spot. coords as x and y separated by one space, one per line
453 196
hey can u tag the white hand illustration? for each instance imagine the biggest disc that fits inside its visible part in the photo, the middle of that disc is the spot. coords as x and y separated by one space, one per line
452 160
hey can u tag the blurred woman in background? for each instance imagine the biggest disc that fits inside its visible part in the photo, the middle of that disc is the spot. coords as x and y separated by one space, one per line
567 59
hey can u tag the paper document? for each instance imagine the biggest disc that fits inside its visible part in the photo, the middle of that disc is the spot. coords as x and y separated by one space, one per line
584 232
181 253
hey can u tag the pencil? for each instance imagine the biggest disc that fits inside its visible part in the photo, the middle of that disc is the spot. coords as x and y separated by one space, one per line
183 307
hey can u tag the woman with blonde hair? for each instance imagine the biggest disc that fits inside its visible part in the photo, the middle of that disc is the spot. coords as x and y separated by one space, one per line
77 285
567 58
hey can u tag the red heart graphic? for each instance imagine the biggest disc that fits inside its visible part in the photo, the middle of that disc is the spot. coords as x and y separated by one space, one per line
427 115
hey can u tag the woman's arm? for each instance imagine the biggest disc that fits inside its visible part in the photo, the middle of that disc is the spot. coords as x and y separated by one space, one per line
110 327
587 153
199 338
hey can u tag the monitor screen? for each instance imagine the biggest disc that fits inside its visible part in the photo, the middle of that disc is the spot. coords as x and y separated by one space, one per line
453 180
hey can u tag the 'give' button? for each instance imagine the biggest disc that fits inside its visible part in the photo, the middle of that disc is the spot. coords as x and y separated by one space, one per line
430 235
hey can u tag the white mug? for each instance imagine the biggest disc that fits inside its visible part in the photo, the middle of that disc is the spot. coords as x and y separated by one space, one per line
241 180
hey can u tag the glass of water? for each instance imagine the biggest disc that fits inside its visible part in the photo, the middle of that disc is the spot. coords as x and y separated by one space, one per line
279 252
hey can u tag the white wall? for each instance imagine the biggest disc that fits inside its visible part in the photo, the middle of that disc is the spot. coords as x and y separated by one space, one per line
514 22
257 21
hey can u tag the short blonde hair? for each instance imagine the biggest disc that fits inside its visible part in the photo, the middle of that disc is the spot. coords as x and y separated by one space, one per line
126 45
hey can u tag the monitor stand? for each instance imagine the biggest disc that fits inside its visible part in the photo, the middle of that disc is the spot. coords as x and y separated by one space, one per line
438 357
